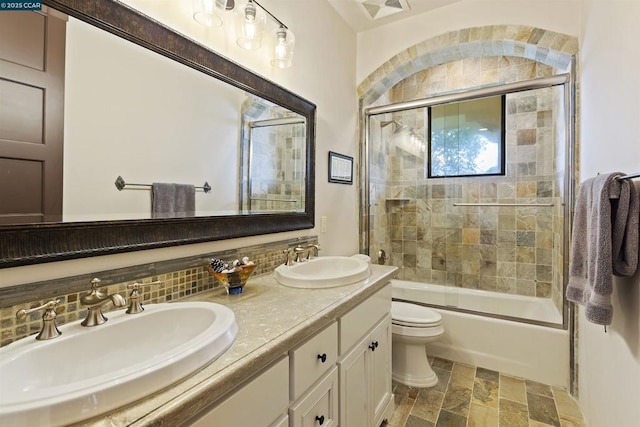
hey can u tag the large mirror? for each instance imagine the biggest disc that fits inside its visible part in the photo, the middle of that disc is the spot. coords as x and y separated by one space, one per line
165 109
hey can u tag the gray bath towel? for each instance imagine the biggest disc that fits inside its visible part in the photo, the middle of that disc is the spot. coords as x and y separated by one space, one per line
173 200
604 242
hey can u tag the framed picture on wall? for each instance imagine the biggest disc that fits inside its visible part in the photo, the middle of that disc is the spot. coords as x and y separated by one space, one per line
340 168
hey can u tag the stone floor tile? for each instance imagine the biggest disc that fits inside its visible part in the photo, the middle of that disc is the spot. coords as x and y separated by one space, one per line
567 421
414 421
482 416
543 409
512 388
533 423
438 362
403 407
512 414
485 393
443 379
457 400
538 388
449 419
462 375
427 404
487 374
566 404
469 396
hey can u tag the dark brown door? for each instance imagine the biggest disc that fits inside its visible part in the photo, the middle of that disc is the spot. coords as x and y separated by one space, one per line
32 49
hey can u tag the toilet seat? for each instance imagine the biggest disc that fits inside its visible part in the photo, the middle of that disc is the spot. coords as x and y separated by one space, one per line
413 315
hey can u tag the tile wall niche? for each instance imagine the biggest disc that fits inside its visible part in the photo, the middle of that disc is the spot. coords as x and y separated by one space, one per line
503 249
180 278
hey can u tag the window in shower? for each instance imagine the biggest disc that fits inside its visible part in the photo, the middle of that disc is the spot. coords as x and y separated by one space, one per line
467 138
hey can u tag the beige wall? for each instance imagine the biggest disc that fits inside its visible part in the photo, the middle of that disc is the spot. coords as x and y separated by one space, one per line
609 364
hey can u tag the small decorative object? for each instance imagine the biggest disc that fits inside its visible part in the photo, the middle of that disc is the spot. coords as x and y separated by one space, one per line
340 168
232 275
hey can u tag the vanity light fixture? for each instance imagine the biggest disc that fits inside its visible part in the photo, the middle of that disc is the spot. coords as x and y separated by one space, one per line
283 51
210 12
249 21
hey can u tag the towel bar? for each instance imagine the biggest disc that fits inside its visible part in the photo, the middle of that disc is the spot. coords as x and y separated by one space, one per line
121 184
630 176
534 205
275 200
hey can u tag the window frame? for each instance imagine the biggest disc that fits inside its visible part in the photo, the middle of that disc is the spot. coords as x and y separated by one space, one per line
502 161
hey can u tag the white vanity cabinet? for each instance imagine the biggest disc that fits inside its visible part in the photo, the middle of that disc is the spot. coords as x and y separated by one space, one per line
262 402
365 362
341 376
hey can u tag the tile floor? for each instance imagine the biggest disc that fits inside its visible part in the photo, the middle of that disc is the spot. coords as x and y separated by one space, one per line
467 396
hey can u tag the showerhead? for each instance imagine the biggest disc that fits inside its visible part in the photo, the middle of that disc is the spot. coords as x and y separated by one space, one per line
397 126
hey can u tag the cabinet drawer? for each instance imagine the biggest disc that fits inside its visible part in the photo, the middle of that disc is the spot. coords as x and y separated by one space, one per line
319 407
312 360
356 323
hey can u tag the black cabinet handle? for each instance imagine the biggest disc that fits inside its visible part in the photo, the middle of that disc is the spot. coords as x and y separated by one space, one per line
322 357
373 345
320 419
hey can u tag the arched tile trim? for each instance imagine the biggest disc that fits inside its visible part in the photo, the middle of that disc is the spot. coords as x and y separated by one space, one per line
547 47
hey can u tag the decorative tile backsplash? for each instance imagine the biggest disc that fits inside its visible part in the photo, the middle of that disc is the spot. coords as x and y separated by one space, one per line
180 278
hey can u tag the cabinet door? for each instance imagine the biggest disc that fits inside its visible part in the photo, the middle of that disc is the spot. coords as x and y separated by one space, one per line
353 387
319 406
380 369
267 396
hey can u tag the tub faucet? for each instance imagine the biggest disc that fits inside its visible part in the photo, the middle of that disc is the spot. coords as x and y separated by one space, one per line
94 301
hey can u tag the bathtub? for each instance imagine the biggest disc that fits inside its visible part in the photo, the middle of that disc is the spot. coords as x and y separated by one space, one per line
535 352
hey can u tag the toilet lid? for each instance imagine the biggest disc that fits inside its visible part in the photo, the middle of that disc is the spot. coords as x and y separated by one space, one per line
407 314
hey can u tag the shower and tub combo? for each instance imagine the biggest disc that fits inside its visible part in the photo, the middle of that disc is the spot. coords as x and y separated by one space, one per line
482 252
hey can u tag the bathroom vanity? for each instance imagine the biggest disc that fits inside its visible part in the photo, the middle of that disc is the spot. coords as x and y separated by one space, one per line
302 357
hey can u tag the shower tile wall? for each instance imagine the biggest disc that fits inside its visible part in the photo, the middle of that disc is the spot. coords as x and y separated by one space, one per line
504 249
278 171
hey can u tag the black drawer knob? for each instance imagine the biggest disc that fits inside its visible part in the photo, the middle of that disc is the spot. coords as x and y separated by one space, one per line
322 357
320 419
373 345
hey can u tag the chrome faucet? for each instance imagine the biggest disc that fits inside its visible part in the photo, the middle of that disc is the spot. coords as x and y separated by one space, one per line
134 297
94 301
49 329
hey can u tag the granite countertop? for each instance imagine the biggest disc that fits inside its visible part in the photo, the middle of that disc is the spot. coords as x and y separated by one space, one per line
271 319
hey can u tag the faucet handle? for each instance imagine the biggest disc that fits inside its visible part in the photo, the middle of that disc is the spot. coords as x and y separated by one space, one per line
49 329
94 283
289 252
134 297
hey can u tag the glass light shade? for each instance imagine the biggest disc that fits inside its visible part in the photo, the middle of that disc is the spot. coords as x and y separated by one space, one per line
209 12
249 22
285 42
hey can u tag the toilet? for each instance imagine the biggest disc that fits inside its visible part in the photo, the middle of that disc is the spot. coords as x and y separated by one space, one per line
412 327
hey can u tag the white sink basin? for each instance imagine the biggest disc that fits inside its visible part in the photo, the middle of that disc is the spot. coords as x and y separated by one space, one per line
324 272
88 371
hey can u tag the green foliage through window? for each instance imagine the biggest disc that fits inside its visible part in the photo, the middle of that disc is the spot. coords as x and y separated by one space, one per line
467 138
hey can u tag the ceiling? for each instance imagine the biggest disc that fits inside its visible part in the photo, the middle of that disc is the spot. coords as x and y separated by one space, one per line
362 15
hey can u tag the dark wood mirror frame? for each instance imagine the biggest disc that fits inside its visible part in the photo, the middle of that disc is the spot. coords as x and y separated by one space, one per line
39 243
